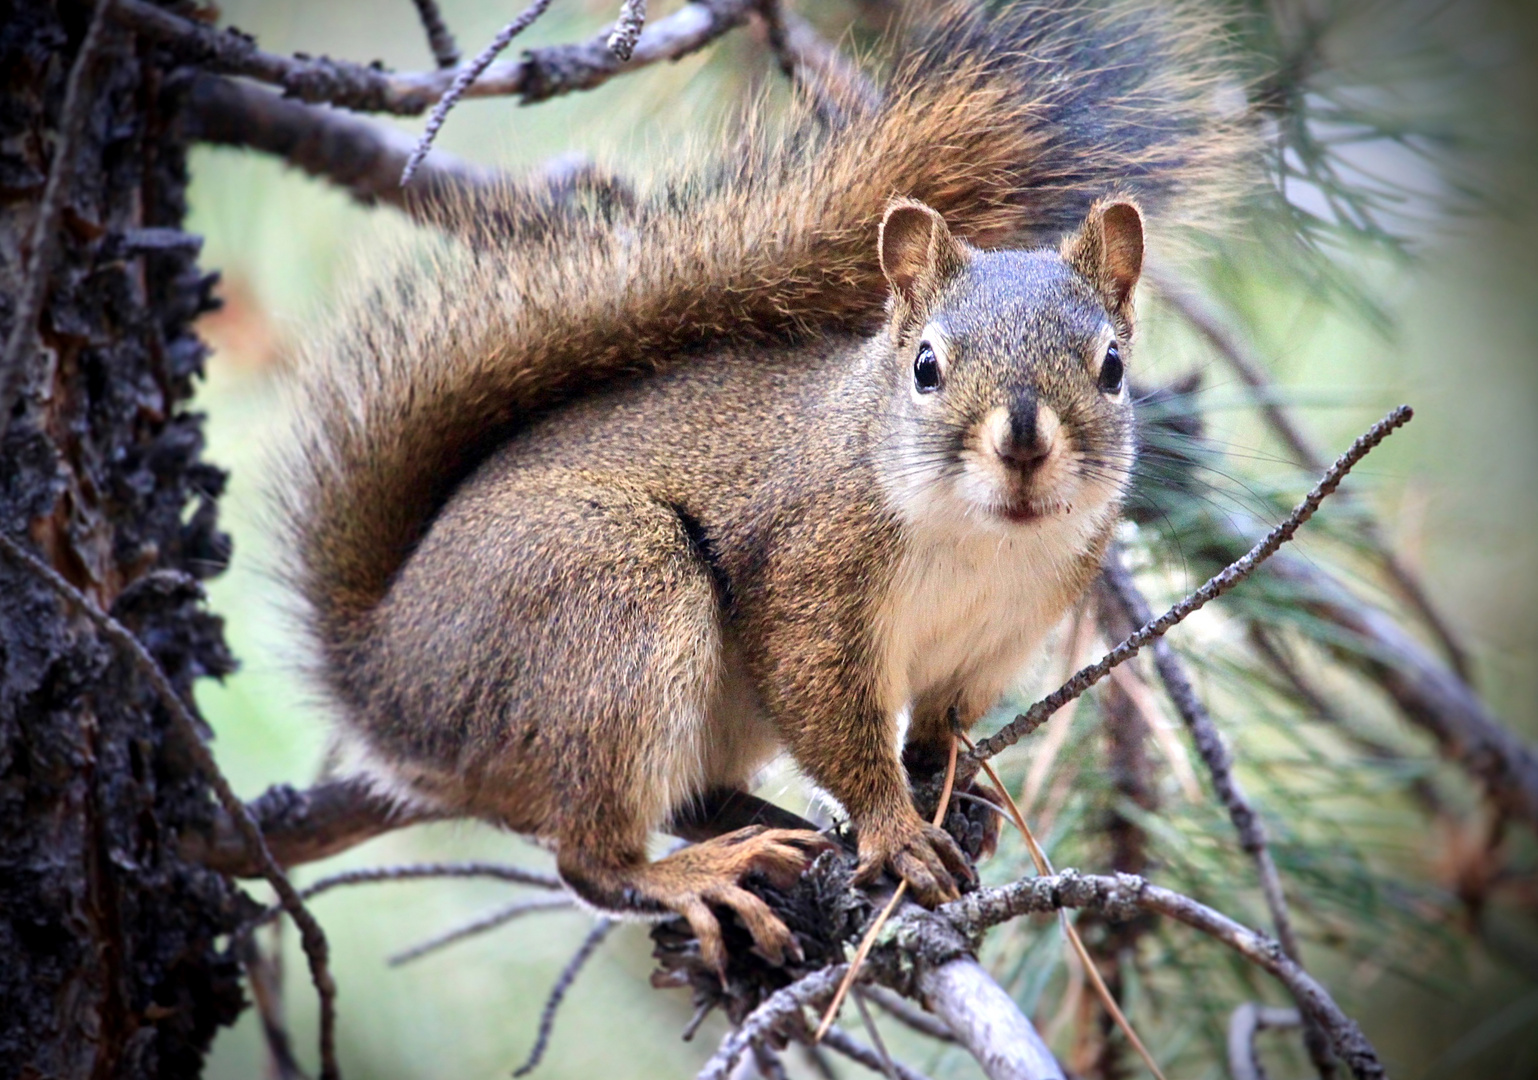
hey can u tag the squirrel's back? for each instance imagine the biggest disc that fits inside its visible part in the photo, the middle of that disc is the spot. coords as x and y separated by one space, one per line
1010 125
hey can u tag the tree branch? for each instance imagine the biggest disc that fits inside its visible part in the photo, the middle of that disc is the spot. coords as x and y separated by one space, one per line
439 40
986 1021
1118 897
1230 576
490 921
302 826
1219 761
1246 1020
836 1038
563 983
536 76
362 156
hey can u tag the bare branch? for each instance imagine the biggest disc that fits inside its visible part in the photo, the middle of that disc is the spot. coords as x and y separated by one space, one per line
439 40
374 875
627 29
311 935
266 982
1118 897
1253 374
836 1038
780 1007
830 78
1232 575
987 1021
563 983
463 79
1219 761
15 367
900 1009
884 1059
499 917
362 156
1246 1020
768 1063
536 76
302 826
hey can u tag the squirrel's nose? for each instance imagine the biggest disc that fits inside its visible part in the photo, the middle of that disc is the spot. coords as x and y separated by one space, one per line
1025 444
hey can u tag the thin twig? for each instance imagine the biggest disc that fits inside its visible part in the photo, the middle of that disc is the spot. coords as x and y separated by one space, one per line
311 936
1247 1019
1120 896
415 872
1252 373
563 983
767 1062
777 1008
1219 761
439 39
1215 587
904 1011
464 78
886 913
266 992
27 308
835 84
876 1060
884 1059
627 29
490 921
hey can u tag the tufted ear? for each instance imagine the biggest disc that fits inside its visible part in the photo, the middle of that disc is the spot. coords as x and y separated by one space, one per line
918 256
1108 253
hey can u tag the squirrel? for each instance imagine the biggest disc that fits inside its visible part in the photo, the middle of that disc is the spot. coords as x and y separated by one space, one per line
806 451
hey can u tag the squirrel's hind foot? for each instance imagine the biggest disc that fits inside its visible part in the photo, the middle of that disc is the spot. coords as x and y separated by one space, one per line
694 879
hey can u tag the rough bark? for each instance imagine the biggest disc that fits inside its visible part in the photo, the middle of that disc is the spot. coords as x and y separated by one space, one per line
110 964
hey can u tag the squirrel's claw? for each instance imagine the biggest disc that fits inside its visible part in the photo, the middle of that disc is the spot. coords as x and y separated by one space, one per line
710 873
918 853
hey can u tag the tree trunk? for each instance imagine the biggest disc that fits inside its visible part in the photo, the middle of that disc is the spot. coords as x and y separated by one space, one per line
110 955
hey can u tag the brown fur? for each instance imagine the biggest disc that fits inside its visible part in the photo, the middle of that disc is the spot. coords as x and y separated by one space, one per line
594 520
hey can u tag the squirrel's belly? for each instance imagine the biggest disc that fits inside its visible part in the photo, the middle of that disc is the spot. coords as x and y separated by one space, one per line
966 614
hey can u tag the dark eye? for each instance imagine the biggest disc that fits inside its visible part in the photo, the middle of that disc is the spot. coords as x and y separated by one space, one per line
926 369
1111 371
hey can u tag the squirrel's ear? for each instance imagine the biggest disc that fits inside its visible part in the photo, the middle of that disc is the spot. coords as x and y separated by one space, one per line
918 255
1108 252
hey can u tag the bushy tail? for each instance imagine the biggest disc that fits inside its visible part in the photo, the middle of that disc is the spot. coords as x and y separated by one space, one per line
1010 124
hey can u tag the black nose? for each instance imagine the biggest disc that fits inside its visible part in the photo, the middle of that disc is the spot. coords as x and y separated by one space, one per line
1024 448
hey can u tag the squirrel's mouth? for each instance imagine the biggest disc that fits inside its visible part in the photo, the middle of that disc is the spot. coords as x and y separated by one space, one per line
1024 511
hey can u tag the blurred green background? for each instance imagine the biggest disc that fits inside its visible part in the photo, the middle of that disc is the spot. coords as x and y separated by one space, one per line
1452 329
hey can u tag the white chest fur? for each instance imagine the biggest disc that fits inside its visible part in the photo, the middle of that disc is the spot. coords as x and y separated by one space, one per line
971 603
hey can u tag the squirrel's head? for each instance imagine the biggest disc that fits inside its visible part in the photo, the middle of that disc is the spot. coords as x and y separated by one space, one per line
1010 383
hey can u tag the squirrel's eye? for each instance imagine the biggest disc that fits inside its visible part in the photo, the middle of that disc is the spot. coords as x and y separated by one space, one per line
926 369
1111 371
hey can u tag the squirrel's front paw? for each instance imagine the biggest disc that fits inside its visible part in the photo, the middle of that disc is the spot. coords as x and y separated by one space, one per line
917 852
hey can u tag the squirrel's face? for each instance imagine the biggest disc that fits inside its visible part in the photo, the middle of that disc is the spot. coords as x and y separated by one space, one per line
1009 393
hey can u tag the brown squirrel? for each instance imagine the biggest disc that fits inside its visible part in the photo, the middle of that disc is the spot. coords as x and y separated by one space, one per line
807 450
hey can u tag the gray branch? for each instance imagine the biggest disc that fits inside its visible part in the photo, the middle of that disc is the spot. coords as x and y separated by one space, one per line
1121 896
1246 1021
1219 761
537 75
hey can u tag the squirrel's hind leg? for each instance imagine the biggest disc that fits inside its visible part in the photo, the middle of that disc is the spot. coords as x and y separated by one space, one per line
615 620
